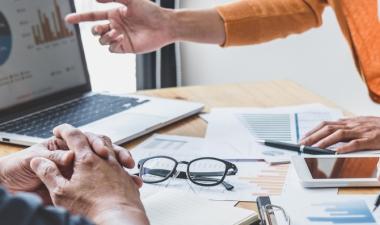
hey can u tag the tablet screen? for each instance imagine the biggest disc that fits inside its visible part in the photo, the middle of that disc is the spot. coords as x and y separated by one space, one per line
342 168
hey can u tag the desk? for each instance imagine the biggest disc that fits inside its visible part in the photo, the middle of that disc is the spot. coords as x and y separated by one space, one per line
260 94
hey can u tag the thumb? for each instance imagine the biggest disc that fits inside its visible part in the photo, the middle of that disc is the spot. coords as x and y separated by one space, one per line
48 172
60 157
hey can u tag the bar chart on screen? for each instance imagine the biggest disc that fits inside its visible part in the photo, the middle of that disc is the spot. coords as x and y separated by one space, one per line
50 29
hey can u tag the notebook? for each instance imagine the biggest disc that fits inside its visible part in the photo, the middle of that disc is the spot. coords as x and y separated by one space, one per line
172 207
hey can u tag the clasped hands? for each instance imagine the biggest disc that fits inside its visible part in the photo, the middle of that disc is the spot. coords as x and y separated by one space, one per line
82 172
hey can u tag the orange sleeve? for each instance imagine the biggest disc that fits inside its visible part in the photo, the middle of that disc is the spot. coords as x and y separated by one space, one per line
256 21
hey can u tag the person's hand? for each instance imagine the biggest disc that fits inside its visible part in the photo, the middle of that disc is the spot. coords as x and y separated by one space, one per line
138 26
98 188
360 133
16 174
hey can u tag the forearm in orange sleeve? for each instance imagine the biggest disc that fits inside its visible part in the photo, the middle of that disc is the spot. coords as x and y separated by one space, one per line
257 21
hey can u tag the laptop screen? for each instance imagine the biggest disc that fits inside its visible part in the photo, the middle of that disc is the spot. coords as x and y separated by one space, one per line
39 53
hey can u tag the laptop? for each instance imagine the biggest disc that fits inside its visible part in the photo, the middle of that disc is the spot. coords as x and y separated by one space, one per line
44 82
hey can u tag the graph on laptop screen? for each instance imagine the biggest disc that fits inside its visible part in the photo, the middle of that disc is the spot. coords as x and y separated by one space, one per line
39 52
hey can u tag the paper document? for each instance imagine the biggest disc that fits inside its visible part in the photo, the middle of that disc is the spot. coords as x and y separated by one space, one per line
178 208
338 210
185 148
252 179
242 127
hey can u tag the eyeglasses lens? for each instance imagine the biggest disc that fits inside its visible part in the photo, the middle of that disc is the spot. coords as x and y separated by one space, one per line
207 171
156 169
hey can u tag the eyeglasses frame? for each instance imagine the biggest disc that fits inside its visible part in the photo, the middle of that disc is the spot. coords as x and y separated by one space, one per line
229 166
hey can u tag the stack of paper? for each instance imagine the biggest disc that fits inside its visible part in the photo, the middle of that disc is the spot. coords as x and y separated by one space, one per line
232 135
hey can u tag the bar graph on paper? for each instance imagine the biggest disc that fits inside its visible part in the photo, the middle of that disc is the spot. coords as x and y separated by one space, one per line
282 127
267 181
269 126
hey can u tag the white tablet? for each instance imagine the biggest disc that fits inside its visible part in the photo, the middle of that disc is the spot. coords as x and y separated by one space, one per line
337 170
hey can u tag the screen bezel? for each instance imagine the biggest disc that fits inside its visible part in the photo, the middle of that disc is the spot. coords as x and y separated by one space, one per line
307 180
56 97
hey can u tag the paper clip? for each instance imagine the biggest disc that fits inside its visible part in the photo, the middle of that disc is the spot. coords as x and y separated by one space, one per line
270 218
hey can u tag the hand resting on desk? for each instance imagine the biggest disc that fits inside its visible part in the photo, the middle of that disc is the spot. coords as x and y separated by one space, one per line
99 188
359 133
82 172
16 174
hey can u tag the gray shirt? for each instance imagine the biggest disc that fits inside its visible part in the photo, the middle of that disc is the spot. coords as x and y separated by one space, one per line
27 209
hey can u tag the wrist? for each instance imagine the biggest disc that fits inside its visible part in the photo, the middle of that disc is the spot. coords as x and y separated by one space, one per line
203 26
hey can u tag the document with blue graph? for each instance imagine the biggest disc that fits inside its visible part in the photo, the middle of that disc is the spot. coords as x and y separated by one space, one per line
338 210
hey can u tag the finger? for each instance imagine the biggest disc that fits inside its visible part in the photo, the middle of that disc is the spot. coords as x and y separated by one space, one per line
74 138
320 126
352 146
138 181
336 137
55 143
320 134
117 46
48 172
43 192
359 119
101 29
124 157
61 158
75 18
109 37
102 145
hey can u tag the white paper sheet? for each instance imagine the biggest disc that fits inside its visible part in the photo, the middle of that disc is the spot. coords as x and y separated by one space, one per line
253 178
187 209
241 127
186 148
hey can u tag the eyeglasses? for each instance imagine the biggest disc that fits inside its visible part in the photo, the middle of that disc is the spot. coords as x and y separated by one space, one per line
205 171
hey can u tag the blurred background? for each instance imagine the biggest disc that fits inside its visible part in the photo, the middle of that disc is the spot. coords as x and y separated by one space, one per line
320 60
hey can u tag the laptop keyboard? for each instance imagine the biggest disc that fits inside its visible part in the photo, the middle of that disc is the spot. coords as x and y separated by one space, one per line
77 113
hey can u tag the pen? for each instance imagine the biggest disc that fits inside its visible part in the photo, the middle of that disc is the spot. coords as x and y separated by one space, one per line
377 203
297 148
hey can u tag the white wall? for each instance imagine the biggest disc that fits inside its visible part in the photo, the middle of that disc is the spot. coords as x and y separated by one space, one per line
114 73
319 59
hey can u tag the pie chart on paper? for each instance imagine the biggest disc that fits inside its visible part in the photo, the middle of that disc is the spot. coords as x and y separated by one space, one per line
5 39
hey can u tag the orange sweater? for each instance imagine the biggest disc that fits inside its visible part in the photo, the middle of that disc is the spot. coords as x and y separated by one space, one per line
257 21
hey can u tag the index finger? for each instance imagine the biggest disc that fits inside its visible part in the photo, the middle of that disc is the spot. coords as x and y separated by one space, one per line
319 127
75 18
75 139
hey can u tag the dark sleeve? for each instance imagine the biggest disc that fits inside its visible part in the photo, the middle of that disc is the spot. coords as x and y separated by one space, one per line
27 209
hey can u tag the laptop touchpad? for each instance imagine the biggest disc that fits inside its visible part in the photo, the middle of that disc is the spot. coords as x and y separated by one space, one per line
122 125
